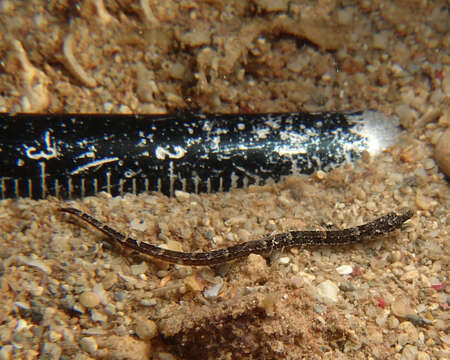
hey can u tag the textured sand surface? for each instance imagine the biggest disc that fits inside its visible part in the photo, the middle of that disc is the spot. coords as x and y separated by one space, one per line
64 295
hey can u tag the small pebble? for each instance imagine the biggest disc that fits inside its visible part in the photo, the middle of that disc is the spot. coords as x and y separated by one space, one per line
374 335
256 268
36 291
345 16
95 331
213 290
50 351
319 309
243 235
296 281
138 225
423 202
100 291
380 40
401 307
395 256
381 319
327 292
307 277
423 356
146 329
269 302
446 339
284 260
410 352
97 316
194 283
139 269
406 115
54 336
148 302
182 195
110 309
428 164
321 175
344 269
89 299
88 344
410 276
5 334
109 280
347 286
393 322
417 320
78 308
410 330
6 352
442 152
36 262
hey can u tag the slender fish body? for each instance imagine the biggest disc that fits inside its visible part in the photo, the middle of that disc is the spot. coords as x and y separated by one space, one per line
72 156
382 225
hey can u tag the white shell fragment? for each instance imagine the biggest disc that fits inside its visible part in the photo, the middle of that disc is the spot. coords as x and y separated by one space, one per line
214 290
327 292
345 269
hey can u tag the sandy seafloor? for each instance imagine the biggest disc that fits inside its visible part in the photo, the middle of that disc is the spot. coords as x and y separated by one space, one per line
64 295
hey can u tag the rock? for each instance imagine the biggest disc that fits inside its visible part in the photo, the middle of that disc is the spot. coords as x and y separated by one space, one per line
89 299
197 37
127 347
327 292
345 16
344 269
319 309
409 353
393 322
406 115
423 356
411 332
97 316
182 195
138 225
89 345
442 152
446 339
346 286
428 164
50 351
146 329
5 352
214 290
296 281
423 202
323 34
109 280
401 307
256 268
410 276
374 335
380 40
269 302
139 268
